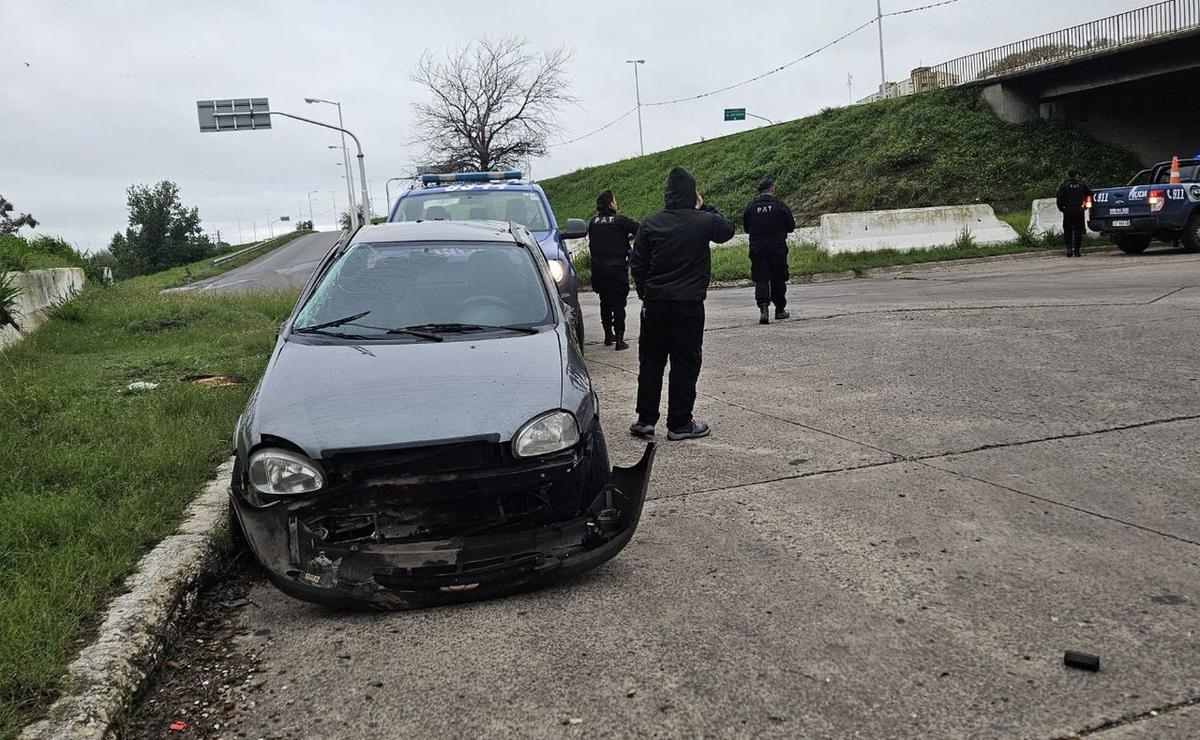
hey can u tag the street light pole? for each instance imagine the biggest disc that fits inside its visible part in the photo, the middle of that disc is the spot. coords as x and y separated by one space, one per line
311 221
345 158
761 118
362 168
882 71
637 88
387 193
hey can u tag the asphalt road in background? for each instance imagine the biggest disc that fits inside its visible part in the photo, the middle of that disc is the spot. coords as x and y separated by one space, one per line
288 266
919 492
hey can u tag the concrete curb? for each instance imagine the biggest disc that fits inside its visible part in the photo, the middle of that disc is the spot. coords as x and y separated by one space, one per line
826 277
110 672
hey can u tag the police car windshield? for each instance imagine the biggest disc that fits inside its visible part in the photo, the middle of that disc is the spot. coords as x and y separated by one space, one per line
476 203
417 284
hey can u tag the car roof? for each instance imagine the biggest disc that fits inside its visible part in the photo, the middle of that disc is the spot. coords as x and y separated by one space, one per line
519 186
437 231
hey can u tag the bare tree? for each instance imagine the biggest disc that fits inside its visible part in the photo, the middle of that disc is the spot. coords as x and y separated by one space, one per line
494 103
10 225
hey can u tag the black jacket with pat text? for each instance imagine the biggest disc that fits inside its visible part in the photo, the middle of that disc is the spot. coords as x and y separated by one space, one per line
768 221
1071 195
608 238
671 258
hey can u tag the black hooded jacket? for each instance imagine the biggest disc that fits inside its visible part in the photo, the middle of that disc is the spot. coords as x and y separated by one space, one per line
1071 195
768 221
608 238
671 258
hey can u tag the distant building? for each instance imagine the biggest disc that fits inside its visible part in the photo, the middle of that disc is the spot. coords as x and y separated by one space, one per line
921 79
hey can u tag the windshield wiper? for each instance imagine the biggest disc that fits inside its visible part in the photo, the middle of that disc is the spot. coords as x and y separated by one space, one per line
455 328
316 328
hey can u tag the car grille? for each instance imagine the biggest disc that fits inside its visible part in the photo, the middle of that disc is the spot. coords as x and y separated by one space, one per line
454 457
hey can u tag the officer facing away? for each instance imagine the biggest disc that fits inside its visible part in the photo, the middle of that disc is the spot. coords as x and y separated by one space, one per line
608 239
1072 195
672 265
768 221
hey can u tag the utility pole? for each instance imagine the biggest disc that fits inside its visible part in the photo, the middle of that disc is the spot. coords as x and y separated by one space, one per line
637 88
270 226
337 224
346 161
241 237
850 86
312 224
882 69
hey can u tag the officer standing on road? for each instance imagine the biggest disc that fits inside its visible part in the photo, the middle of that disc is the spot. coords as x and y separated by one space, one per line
768 221
672 266
608 239
1072 195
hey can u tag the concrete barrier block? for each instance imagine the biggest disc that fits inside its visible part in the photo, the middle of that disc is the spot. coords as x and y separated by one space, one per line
911 228
39 290
1044 217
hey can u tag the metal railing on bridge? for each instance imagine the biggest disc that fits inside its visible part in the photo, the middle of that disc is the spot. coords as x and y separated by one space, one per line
1152 22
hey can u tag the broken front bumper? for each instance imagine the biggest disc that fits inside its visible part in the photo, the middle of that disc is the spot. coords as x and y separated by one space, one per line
303 560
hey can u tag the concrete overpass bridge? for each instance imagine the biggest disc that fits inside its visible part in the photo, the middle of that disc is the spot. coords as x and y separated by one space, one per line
1131 79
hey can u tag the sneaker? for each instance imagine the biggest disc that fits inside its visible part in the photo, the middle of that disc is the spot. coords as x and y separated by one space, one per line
621 344
641 429
764 316
781 314
695 430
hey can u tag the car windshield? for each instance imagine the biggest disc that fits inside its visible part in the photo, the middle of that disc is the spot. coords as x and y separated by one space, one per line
430 288
478 204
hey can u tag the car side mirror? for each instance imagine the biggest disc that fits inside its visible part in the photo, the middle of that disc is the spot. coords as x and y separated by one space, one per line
576 228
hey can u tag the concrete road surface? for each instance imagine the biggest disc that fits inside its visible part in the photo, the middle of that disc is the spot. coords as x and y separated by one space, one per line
288 266
919 492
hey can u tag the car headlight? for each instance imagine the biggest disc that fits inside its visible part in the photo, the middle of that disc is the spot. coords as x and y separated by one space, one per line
557 271
547 433
280 472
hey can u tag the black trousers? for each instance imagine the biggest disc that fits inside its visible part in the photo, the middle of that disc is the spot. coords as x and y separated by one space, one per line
1073 228
611 283
769 268
674 331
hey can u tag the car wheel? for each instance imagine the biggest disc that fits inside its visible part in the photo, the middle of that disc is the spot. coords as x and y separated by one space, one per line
1191 233
237 536
1132 244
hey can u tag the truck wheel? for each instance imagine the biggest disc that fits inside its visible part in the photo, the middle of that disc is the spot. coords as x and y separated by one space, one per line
1191 233
1132 244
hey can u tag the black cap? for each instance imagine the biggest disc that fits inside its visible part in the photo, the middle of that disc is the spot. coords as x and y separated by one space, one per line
604 200
766 184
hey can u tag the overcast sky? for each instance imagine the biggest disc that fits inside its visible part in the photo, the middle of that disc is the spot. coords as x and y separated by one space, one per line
96 96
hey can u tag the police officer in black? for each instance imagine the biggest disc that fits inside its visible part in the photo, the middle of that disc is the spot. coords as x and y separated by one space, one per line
608 239
1072 195
768 221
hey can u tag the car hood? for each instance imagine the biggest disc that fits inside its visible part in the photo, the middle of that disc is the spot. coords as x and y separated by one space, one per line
339 396
551 247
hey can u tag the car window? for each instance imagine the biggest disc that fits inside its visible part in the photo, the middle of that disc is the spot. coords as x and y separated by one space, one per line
1142 178
520 206
1187 173
417 284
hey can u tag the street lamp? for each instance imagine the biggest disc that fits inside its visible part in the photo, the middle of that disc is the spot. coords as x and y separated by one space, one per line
387 192
637 88
345 156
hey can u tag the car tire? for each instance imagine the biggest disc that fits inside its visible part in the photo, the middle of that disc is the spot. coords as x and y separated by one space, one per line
1132 244
237 536
1191 233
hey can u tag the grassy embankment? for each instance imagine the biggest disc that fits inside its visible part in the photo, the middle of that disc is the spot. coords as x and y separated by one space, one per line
934 149
92 475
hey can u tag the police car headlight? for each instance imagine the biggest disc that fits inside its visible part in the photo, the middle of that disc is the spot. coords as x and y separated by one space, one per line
280 472
551 432
557 270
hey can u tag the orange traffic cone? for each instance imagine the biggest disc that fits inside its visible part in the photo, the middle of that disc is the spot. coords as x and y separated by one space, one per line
1175 178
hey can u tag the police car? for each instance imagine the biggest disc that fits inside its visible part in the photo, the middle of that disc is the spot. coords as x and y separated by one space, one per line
499 196
1160 203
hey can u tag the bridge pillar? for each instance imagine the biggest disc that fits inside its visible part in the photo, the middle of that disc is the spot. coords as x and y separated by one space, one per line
1010 103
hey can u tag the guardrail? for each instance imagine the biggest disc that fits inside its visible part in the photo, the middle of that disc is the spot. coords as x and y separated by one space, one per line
1124 29
252 248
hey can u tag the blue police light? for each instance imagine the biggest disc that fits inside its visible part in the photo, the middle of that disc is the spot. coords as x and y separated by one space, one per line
436 179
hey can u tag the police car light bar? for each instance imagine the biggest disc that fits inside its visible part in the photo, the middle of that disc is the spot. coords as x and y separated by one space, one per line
434 179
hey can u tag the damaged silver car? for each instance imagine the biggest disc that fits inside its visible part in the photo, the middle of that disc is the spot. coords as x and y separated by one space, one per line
426 430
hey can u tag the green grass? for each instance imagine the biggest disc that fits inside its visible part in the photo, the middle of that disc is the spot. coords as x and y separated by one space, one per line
932 149
18 254
92 476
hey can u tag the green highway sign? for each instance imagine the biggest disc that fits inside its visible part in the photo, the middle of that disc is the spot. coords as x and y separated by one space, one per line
735 114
